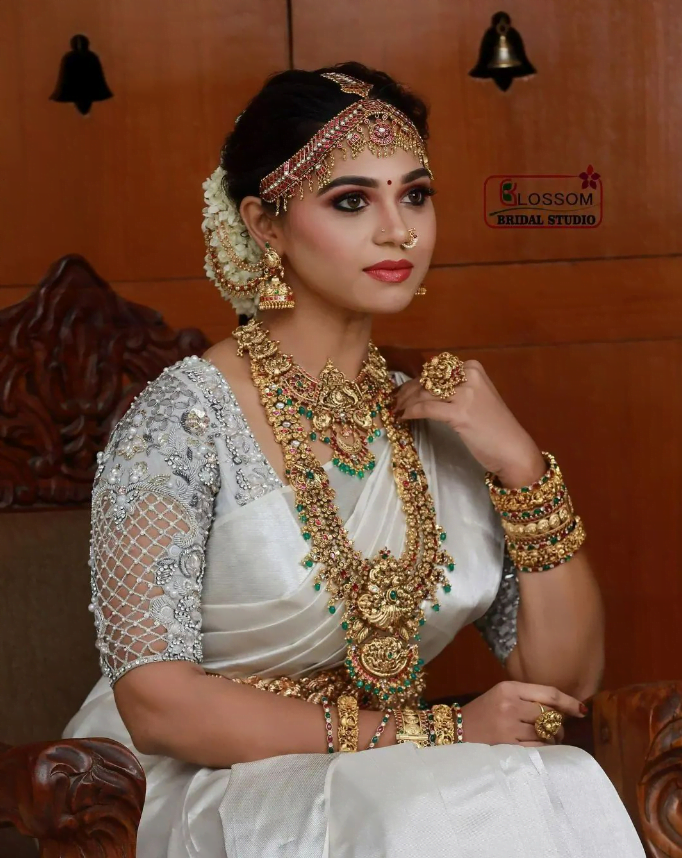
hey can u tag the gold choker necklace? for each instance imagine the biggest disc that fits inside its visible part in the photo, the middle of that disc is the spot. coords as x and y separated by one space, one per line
342 412
382 595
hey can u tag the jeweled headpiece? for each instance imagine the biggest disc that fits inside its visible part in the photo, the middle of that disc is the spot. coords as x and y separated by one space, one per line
366 124
233 260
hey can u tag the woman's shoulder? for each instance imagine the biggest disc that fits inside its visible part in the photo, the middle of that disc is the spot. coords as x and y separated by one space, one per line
167 431
173 400
224 357
183 394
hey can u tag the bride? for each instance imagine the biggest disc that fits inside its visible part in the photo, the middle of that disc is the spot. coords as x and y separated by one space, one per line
285 534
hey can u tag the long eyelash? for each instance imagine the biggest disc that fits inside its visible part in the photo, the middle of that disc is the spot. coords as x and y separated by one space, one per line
427 191
336 200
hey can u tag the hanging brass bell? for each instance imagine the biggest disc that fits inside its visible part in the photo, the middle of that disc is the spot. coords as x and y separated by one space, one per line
502 55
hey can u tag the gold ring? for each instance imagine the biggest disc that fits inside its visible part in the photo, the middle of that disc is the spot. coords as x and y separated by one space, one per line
548 723
441 375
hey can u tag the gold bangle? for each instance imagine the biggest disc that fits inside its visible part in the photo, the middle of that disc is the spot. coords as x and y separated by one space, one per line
459 718
348 730
544 542
409 729
329 729
542 559
541 528
425 724
444 724
380 729
544 491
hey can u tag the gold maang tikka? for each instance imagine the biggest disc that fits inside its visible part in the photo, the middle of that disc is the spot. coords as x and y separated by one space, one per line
368 123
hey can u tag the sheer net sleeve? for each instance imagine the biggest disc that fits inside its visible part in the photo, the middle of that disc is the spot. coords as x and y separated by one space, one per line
152 507
498 624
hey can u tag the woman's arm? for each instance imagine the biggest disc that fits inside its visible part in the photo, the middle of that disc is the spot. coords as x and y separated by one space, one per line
174 709
560 624
560 629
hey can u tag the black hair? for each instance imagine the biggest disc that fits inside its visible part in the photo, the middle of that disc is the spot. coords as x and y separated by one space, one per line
286 113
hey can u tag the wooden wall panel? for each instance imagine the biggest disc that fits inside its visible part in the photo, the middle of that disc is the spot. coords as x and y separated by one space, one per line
182 303
611 413
607 93
497 305
581 330
122 186
543 303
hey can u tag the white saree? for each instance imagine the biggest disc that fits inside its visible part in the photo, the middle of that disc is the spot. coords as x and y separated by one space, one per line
196 555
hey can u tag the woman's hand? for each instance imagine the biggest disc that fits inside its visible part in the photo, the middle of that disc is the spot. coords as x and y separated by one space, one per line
483 421
506 714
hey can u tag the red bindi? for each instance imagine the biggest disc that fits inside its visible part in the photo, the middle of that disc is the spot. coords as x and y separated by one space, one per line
389 182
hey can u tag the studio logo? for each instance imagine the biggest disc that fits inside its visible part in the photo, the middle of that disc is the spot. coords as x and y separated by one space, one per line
544 201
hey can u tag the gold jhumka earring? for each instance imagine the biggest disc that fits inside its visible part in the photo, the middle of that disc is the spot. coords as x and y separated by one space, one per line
276 294
269 283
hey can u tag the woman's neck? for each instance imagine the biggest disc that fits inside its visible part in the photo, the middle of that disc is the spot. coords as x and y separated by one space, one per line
312 336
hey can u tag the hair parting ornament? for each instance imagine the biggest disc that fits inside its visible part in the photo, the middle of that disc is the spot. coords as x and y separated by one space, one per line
367 124
233 259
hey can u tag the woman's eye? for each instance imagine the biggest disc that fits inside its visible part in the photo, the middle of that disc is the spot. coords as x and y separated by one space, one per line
418 196
350 203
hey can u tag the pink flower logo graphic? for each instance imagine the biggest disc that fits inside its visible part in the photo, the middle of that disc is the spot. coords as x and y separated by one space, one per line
589 178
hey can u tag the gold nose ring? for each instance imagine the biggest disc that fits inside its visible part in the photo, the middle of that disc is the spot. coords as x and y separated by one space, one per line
412 240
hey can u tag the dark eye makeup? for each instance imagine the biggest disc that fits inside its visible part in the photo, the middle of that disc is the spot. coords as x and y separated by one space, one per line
355 201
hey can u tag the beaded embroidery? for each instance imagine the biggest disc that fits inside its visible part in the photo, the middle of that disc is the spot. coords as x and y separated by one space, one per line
498 625
150 520
253 474
153 499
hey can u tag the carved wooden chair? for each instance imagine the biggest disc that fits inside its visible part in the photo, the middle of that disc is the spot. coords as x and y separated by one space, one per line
73 355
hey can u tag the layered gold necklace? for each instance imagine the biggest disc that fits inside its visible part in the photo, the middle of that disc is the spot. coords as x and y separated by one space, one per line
341 412
382 595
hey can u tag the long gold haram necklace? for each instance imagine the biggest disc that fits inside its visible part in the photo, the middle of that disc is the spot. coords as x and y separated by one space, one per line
383 595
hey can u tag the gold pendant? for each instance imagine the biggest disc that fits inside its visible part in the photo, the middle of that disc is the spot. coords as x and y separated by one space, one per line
383 596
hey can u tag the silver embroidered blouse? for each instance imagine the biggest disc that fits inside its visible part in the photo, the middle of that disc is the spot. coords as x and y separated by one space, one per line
157 488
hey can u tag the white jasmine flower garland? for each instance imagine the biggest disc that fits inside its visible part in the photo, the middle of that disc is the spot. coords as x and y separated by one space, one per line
221 209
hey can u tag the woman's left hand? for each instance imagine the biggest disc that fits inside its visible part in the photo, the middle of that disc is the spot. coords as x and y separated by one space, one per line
483 421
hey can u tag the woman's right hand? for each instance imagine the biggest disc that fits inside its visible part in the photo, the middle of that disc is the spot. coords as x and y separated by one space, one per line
506 714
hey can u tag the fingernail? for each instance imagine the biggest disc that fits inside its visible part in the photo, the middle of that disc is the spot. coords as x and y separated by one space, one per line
584 709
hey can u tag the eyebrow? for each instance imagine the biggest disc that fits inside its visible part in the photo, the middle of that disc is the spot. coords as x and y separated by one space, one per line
366 182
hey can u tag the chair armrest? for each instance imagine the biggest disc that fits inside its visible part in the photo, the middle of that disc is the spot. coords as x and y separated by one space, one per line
77 797
638 742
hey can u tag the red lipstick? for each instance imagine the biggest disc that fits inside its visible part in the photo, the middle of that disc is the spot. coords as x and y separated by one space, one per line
390 271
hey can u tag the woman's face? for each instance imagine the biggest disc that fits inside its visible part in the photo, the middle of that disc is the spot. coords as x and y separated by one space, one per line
357 222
